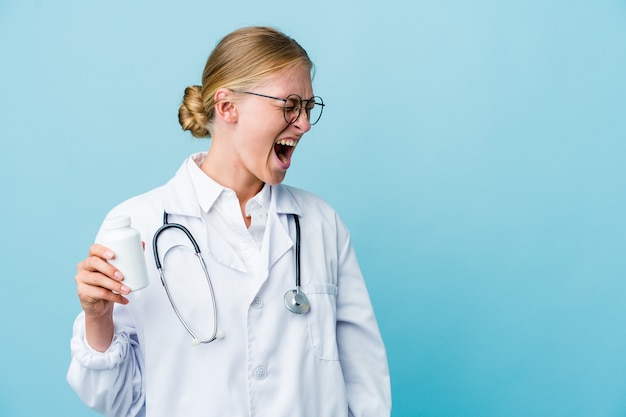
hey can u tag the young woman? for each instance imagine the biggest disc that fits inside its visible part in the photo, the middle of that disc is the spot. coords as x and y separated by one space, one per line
272 317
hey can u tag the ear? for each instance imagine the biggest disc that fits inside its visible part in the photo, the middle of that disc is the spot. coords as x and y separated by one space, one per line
225 106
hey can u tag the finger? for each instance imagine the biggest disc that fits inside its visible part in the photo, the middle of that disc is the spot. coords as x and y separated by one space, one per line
101 251
89 282
97 264
91 295
98 279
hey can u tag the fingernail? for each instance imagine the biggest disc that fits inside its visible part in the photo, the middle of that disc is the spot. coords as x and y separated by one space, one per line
118 275
108 254
124 289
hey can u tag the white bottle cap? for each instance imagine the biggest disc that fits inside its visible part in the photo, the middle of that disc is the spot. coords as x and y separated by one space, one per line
117 222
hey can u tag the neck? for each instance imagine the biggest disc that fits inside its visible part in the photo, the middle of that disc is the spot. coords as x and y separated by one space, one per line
226 173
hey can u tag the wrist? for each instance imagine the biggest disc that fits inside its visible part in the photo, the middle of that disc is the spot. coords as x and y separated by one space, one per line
99 332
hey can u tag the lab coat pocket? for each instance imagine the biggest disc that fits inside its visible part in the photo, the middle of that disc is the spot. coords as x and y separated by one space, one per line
322 319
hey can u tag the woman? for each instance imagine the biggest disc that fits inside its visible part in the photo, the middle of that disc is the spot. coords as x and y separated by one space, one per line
238 349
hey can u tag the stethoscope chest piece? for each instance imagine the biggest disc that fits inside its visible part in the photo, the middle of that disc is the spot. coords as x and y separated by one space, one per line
297 302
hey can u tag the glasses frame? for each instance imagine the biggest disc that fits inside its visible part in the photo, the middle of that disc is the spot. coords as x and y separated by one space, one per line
316 100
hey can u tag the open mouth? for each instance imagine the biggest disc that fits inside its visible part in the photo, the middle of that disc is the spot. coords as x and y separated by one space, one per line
284 149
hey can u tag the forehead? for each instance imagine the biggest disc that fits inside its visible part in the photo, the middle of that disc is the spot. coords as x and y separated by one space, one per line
296 80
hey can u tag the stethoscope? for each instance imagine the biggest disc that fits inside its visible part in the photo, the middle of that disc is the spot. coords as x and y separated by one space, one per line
296 300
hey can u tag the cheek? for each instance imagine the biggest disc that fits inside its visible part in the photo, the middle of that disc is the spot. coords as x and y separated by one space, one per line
260 136
259 147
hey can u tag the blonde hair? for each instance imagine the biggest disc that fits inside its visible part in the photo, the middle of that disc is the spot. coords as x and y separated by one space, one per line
241 60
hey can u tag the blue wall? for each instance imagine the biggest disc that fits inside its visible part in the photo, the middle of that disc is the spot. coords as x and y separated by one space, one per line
475 149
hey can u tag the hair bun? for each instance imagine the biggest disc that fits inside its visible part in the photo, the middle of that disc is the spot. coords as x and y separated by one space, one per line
191 114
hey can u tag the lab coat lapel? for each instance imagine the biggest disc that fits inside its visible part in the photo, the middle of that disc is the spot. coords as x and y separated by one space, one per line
280 230
277 239
181 200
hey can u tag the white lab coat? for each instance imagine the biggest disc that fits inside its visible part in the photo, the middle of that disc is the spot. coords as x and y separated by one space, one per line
330 362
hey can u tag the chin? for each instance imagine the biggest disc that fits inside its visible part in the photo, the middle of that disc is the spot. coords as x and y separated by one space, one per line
275 179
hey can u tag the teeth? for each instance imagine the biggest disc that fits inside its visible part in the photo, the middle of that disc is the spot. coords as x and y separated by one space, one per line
287 142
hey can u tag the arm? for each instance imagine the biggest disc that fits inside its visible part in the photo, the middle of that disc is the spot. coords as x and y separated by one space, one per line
361 350
109 382
97 282
106 367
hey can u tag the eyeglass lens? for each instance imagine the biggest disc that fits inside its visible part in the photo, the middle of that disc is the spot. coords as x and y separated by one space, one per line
294 104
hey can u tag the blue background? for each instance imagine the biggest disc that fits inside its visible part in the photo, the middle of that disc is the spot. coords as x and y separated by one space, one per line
474 148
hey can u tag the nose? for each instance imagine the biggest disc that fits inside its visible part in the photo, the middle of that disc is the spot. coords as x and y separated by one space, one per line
302 123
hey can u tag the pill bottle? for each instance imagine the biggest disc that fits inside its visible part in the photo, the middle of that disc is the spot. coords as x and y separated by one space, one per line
125 242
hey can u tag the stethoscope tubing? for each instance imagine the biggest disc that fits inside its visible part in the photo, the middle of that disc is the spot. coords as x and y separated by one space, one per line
166 225
295 300
297 221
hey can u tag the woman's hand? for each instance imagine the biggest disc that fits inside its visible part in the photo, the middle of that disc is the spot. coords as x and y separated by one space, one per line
99 285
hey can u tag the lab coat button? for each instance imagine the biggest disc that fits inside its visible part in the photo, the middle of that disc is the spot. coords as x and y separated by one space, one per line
260 373
257 303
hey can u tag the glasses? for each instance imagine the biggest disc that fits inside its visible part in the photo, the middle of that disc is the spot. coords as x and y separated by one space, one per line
292 107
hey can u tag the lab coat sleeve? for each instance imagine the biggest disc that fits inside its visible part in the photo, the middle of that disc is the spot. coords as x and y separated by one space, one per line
109 382
361 349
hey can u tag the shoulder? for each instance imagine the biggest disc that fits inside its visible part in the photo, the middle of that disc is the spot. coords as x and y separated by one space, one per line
321 226
306 200
312 207
140 202
153 202
145 211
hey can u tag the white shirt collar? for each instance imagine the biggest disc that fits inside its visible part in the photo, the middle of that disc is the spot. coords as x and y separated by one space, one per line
208 191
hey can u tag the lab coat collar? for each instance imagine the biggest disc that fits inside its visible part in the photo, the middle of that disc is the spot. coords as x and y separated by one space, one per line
283 201
206 189
178 192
